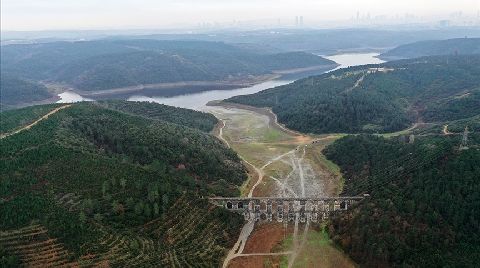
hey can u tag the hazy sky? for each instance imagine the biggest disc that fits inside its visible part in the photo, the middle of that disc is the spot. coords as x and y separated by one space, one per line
117 14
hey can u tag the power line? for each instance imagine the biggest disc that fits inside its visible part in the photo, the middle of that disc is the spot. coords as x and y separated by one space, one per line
464 143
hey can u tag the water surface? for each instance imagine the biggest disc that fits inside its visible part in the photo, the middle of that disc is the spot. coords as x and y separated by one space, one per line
198 101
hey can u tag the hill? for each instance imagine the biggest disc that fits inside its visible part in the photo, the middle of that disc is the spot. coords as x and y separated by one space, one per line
15 90
377 98
458 46
423 209
108 64
322 41
115 183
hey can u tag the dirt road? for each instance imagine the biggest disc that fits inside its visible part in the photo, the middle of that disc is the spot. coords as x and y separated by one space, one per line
445 130
35 122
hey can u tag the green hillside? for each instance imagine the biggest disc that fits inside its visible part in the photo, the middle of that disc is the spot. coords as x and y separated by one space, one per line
116 184
458 46
12 120
107 64
424 204
16 90
377 98
185 117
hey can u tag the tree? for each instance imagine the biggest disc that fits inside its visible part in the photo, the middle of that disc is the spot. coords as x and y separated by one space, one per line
130 203
139 208
88 205
152 195
114 181
82 217
147 211
156 209
117 207
98 217
165 201
123 183
105 187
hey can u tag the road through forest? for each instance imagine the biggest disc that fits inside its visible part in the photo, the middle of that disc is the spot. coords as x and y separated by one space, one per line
35 122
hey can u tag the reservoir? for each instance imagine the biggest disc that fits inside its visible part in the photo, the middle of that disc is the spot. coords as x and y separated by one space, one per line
198 101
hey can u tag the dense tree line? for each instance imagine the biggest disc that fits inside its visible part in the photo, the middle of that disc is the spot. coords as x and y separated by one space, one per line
376 98
424 204
199 120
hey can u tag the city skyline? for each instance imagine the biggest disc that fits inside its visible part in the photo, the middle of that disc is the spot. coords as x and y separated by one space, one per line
30 15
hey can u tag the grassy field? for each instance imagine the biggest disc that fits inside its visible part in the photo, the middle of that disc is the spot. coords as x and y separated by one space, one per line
317 251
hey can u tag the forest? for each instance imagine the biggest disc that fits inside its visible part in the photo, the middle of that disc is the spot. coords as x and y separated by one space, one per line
376 98
424 203
117 183
457 46
107 64
15 90
14 119
185 117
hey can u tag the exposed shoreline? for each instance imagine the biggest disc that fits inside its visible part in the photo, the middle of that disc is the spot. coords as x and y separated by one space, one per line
227 84
263 111
164 86
50 100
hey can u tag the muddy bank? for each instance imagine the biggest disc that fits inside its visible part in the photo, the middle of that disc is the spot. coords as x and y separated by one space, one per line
263 111
177 88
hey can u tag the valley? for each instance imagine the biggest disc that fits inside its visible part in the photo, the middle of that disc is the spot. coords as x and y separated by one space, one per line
281 163
198 100
287 163
114 68
125 169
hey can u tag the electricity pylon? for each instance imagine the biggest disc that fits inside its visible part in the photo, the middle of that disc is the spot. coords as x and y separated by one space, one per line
464 143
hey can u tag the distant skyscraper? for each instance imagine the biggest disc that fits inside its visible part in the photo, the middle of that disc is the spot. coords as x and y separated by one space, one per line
444 23
296 21
301 21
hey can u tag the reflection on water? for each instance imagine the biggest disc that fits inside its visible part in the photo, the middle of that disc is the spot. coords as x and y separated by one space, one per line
198 101
354 59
